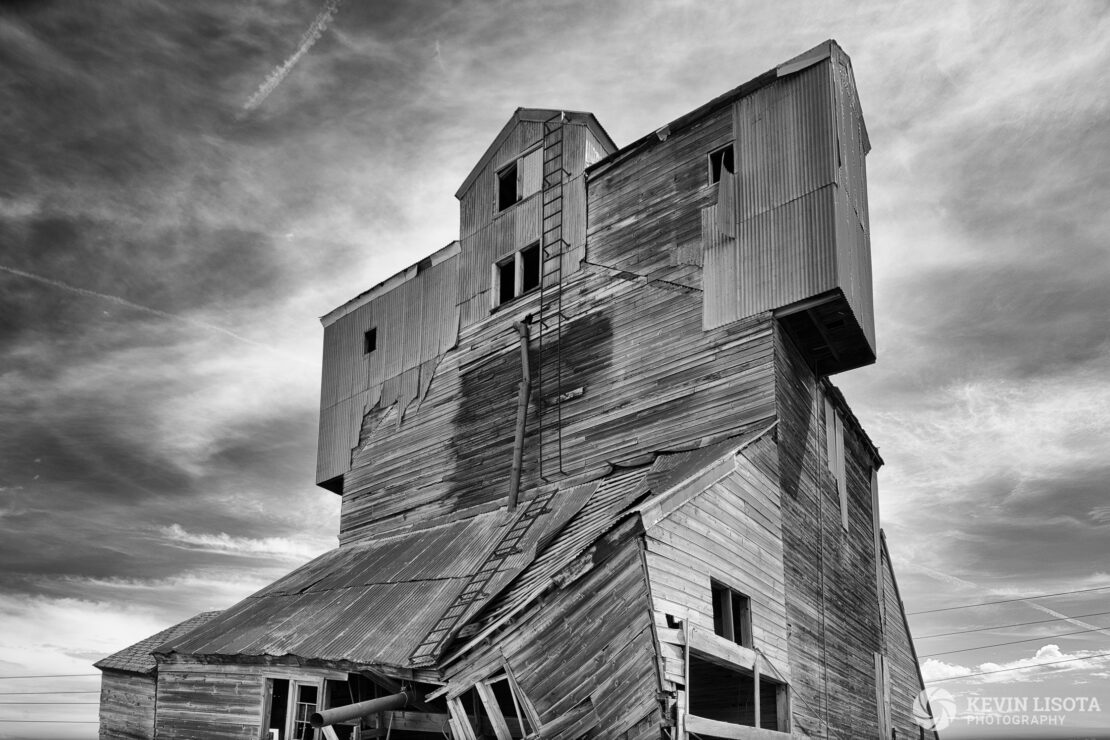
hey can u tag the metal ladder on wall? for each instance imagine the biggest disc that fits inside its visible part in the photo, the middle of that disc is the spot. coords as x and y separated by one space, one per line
553 246
475 589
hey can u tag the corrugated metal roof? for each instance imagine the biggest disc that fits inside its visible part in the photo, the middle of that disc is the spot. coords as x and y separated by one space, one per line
138 659
374 603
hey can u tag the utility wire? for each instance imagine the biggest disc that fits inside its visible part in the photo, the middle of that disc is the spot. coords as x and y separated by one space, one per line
1018 668
56 675
1014 642
57 721
1006 601
51 703
40 693
1006 626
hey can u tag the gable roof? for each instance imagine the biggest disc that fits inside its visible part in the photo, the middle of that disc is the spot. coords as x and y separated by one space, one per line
138 658
538 115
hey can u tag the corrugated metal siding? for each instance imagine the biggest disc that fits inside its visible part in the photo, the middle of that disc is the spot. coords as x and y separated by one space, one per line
793 239
416 322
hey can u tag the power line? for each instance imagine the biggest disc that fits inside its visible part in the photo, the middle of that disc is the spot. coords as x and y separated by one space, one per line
1017 668
1006 601
1015 642
57 721
51 703
56 675
29 693
1006 626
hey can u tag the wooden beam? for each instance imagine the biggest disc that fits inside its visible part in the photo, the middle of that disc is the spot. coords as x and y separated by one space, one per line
704 726
718 650
493 711
755 687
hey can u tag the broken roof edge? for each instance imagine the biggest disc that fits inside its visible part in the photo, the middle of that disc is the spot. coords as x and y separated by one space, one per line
139 658
399 278
292 660
825 50
538 115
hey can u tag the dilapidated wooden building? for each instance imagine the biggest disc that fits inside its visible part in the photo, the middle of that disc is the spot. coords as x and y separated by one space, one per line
595 480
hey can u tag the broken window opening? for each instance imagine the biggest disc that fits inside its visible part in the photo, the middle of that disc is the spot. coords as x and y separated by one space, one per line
725 694
530 268
721 160
304 708
493 710
835 458
369 341
732 615
508 187
506 280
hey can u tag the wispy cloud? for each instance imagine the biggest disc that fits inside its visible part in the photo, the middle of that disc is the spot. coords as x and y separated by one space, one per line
287 548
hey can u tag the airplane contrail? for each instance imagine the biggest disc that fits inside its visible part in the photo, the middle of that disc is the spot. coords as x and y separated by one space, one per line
129 304
307 40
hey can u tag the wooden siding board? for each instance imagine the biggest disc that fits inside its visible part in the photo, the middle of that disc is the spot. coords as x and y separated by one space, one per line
127 705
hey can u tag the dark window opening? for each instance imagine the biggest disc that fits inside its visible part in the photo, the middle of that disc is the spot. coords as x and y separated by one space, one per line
506 280
732 615
508 187
721 159
530 268
279 700
499 709
369 341
304 709
728 695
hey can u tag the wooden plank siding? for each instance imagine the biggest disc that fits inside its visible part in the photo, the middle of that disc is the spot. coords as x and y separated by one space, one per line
127 702
831 597
901 658
589 641
218 701
730 533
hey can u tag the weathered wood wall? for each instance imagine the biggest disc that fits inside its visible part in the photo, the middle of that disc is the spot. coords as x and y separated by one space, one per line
831 598
730 533
219 702
905 683
633 366
126 706
591 640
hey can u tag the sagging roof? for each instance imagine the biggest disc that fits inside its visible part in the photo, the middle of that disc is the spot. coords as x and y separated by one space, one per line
138 658
382 603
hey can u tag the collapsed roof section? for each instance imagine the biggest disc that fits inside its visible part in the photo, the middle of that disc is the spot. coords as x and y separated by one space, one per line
441 588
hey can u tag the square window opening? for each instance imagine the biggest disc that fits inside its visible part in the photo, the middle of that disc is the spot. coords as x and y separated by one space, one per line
508 187
369 341
721 160
732 615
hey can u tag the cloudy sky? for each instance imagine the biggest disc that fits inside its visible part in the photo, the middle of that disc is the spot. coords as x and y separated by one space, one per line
186 187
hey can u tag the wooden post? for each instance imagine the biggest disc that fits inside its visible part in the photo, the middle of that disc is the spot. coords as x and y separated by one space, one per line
755 677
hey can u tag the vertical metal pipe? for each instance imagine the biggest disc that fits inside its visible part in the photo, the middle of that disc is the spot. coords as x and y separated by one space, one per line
521 413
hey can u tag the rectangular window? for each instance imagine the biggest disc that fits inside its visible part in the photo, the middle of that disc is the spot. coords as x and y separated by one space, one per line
732 615
303 710
508 187
721 160
369 341
278 690
517 274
